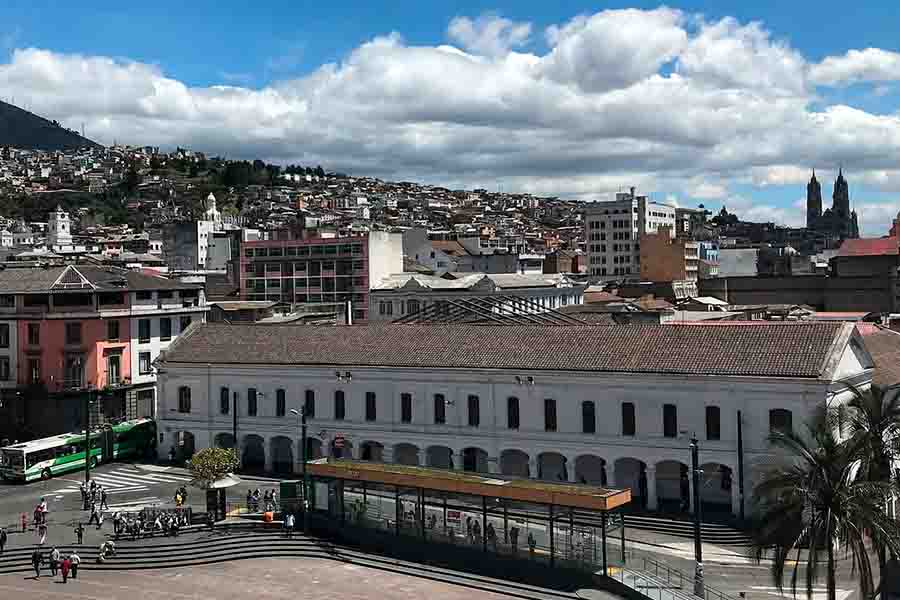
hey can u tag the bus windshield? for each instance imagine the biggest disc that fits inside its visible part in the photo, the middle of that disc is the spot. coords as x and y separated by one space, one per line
13 459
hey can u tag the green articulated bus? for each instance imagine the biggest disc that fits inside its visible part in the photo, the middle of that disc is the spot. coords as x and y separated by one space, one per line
42 459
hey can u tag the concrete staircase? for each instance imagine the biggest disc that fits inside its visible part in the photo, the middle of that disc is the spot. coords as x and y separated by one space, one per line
722 535
255 541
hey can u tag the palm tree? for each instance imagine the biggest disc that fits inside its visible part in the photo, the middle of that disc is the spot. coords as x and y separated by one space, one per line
874 422
810 500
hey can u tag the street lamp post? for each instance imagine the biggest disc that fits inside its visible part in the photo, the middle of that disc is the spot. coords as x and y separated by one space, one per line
698 544
302 415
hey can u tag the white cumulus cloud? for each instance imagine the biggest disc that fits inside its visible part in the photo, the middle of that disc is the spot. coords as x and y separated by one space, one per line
488 34
869 64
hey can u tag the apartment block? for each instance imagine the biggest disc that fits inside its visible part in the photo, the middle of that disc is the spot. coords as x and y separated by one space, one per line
613 230
73 332
319 270
664 258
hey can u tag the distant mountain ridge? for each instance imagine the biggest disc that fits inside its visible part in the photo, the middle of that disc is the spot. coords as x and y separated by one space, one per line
22 129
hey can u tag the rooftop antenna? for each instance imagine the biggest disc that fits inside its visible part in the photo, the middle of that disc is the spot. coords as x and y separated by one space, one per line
82 129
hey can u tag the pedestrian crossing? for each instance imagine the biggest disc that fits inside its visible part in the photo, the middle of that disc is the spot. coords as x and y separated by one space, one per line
126 480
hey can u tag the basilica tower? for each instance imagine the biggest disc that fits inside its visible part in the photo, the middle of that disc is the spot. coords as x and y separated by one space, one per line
813 201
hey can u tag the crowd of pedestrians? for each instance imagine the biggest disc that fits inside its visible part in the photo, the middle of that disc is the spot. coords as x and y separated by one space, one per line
257 500
57 563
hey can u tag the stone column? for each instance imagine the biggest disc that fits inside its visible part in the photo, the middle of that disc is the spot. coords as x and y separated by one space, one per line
269 455
532 467
387 454
493 465
457 461
651 488
570 469
735 495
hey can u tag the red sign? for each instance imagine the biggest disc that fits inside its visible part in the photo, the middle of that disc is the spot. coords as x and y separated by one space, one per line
338 441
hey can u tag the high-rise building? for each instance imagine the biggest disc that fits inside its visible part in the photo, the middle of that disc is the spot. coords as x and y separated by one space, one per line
665 258
613 230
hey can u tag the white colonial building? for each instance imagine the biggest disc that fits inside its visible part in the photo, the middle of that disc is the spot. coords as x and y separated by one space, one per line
606 405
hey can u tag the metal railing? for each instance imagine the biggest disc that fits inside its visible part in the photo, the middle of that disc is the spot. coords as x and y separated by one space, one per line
659 581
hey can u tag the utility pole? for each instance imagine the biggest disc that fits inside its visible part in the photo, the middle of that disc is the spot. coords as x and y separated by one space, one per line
698 543
301 414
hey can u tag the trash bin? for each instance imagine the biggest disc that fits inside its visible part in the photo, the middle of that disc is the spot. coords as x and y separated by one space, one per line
268 516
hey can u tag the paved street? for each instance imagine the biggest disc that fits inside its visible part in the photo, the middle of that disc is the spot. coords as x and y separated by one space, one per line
272 579
132 487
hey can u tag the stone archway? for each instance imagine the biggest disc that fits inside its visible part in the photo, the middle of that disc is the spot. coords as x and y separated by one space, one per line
406 454
552 467
224 440
372 451
632 473
591 470
673 489
281 450
439 457
514 463
253 456
185 445
716 482
475 460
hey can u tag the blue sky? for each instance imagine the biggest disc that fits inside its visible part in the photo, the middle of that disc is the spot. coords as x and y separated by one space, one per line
582 113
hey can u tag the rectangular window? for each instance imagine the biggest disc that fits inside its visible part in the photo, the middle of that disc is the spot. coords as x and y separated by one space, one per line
144 331
73 334
406 408
670 421
224 400
549 414
251 402
440 409
165 329
4 335
588 417
474 411
371 408
339 408
113 368
628 420
184 399
144 363
185 323
34 334
144 295
112 330
780 420
280 403
34 370
512 412
309 404
4 368
713 423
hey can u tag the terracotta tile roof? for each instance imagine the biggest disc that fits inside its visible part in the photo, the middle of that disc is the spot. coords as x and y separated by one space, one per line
884 346
772 350
886 246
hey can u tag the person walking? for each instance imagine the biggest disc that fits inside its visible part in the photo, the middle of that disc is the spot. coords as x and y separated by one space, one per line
3 537
117 523
289 524
42 532
36 560
95 516
79 533
531 543
54 561
100 521
64 567
24 522
74 561
476 532
514 538
103 500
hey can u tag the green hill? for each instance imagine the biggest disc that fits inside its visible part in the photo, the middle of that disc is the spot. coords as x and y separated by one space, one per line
22 129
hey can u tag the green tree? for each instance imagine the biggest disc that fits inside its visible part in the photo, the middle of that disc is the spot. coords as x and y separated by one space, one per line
874 419
811 501
320 171
211 464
